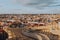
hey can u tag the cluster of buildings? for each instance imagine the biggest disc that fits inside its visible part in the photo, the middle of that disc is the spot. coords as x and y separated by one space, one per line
30 19
45 22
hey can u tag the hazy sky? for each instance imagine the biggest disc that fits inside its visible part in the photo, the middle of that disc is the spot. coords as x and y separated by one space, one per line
29 6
